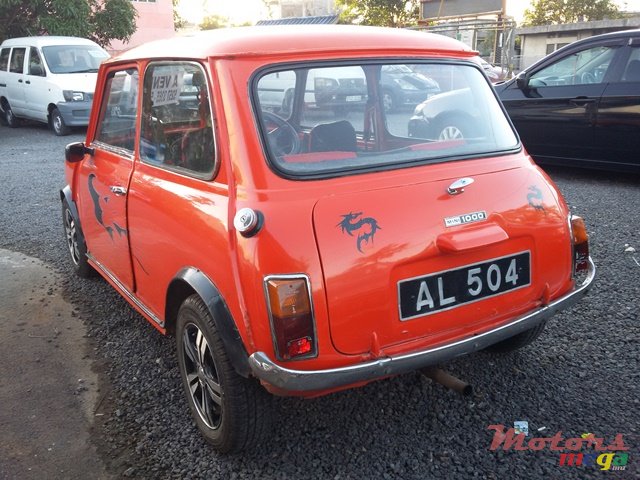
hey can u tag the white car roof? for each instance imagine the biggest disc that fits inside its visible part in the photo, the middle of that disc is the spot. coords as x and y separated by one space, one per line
46 40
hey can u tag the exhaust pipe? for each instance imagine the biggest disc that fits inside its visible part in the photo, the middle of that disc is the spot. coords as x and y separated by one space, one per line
447 380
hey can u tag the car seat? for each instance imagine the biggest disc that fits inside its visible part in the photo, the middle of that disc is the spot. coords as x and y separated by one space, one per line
336 136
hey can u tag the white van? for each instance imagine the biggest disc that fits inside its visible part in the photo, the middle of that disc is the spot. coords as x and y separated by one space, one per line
49 79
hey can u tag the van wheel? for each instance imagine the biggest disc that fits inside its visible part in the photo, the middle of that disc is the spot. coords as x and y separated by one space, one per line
10 119
518 341
57 123
232 412
75 243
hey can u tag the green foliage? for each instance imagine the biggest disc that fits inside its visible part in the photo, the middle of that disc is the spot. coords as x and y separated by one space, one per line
212 22
547 12
98 20
384 13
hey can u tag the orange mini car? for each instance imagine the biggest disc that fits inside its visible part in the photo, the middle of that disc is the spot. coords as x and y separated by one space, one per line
247 191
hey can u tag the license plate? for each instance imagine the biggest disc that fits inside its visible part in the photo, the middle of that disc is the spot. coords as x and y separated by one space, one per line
428 294
354 98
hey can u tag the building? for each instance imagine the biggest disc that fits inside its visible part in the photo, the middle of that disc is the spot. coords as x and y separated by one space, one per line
155 21
482 24
537 42
301 8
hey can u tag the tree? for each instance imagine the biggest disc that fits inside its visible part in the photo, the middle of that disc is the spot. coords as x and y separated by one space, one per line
384 13
98 20
212 22
178 21
546 12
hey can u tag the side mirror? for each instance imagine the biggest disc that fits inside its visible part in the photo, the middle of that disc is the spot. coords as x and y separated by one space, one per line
75 152
522 81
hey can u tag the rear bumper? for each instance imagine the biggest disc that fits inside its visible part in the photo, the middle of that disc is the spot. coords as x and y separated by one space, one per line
313 380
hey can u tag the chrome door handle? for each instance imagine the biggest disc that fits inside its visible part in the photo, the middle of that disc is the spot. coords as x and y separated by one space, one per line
119 191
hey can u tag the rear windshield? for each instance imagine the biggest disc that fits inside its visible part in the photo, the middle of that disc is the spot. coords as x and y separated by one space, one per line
74 58
325 119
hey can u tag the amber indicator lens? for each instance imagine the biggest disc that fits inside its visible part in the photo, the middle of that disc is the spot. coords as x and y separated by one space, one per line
288 298
580 244
291 318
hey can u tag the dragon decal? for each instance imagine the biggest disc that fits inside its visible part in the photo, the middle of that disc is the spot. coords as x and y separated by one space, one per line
365 228
535 198
99 212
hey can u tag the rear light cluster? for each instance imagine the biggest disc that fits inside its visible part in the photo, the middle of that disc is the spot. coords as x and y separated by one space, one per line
580 240
291 316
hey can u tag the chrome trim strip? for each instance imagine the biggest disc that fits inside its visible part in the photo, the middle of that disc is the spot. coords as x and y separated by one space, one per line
311 380
125 291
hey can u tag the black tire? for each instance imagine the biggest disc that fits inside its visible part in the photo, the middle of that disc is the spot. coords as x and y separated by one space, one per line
57 123
9 118
518 341
389 103
232 413
453 128
75 243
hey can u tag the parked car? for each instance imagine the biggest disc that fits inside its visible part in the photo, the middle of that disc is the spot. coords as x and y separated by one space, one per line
295 255
580 105
343 88
402 86
494 72
48 79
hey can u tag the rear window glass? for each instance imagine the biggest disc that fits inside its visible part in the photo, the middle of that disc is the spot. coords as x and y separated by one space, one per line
322 120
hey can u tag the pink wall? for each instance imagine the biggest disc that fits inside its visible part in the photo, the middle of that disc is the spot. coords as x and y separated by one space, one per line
155 21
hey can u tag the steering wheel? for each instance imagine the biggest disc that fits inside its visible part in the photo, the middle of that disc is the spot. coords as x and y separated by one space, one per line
588 77
283 138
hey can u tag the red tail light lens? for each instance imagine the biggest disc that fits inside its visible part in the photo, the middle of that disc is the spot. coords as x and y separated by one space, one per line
580 244
291 315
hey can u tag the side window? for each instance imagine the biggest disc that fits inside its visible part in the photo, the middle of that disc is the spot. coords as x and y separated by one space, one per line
118 112
177 129
632 70
579 68
17 60
4 59
35 63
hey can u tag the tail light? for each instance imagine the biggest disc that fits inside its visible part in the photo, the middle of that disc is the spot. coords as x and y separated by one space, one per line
291 316
580 239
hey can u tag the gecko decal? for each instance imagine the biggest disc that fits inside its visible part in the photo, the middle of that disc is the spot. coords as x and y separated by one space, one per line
99 212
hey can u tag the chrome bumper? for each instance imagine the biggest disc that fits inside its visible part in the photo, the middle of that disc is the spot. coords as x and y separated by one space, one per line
309 380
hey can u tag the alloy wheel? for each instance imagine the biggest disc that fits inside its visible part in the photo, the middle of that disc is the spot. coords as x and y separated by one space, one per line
72 236
202 376
450 133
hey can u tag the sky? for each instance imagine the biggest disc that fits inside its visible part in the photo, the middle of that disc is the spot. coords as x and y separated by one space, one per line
241 11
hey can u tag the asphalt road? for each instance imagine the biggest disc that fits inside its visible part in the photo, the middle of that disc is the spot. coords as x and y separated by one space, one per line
581 376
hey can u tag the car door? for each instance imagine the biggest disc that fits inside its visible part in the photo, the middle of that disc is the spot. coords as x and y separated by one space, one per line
15 80
178 199
618 125
35 84
555 109
104 177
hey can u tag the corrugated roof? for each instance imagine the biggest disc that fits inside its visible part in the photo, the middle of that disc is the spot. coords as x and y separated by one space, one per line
322 19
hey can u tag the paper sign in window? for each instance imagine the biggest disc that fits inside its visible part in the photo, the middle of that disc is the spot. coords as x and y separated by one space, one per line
166 86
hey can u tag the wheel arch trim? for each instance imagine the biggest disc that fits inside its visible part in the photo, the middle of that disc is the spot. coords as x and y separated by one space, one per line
195 280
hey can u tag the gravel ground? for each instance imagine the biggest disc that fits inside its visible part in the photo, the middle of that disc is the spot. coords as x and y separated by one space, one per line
581 376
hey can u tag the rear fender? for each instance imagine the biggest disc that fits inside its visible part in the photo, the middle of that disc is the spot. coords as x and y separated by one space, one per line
190 280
